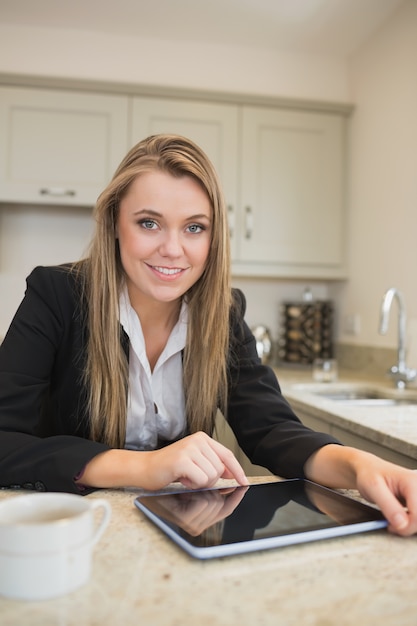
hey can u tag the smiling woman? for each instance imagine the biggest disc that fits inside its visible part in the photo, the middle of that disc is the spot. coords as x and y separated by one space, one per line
114 367
147 220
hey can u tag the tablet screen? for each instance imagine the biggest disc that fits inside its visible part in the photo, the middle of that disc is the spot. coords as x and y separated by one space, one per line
218 522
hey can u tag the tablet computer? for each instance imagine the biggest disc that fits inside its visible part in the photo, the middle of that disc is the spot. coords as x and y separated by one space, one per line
219 522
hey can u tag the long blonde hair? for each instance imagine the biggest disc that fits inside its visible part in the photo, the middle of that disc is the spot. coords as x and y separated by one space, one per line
209 299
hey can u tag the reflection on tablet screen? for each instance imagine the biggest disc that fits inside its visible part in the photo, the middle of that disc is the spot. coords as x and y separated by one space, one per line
220 517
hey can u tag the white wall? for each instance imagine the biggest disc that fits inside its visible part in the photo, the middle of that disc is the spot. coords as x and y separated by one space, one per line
36 235
73 54
383 181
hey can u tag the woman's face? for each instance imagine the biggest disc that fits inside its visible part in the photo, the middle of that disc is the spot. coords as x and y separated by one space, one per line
164 231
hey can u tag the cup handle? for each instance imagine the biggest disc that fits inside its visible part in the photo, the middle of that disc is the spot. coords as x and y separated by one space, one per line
105 518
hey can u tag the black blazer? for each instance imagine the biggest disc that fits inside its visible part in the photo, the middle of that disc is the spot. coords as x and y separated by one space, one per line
44 438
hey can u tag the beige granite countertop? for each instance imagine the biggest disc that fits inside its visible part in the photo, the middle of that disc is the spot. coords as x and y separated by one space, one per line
141 578
394 427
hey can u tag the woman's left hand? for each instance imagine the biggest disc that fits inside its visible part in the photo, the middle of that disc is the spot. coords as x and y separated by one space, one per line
394 490
391 487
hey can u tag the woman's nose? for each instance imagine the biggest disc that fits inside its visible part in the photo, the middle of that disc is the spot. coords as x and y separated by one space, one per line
171 245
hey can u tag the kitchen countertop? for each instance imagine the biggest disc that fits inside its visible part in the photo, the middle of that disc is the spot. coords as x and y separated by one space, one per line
394 427
140 577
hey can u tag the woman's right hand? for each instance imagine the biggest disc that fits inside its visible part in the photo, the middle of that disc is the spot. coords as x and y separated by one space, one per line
196 461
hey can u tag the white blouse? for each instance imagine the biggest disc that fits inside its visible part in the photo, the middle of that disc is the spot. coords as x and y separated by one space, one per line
156 404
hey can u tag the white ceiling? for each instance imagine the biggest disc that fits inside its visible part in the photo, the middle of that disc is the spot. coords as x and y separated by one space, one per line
334 27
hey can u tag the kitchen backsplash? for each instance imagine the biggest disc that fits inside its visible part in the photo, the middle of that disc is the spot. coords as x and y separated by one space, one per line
369 360
365 359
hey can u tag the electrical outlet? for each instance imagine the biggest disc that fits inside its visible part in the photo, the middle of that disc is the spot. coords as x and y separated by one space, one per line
353 324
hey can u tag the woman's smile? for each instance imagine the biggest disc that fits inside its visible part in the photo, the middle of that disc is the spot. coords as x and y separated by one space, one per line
167 273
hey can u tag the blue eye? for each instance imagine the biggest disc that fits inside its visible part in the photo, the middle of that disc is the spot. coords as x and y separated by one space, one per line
196 228
148 224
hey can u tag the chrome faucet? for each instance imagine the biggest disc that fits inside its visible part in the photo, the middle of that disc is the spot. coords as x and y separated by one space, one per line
400 373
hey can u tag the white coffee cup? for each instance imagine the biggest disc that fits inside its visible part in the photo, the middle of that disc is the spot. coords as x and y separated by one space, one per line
46 543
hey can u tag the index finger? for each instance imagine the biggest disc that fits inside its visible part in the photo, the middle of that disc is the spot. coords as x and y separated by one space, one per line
233 468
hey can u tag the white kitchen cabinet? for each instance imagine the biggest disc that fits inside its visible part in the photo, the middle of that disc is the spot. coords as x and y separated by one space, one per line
292 168
213 126
282 172
58 146
349 438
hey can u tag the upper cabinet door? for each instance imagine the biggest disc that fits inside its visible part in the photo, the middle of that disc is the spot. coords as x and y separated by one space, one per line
213 126
292 191
59 147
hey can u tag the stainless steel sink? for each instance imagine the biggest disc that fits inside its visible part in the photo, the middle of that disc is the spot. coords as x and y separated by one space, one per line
366 397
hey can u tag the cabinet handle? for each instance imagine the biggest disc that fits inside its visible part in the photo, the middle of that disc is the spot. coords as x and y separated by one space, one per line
231 216
56 191
248 222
